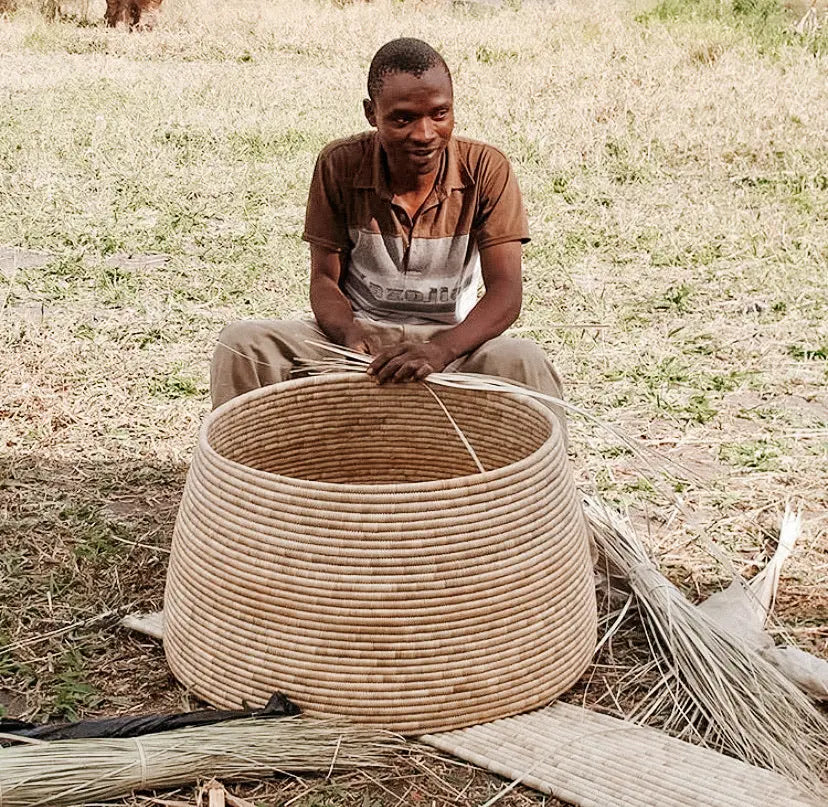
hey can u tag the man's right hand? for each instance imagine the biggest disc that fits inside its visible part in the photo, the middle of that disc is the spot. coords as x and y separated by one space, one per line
331 308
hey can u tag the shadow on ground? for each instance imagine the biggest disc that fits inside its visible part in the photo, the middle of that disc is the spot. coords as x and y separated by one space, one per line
81 544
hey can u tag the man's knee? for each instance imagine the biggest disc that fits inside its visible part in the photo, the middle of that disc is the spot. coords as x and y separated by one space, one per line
247 355
523 361
510 358
237 337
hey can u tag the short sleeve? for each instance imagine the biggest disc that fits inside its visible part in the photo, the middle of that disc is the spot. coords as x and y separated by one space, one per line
325 219
500 215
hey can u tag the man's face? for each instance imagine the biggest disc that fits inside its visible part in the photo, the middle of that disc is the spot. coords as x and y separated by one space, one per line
414 118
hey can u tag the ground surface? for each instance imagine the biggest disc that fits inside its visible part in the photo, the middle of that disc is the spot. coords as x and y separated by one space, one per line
673 160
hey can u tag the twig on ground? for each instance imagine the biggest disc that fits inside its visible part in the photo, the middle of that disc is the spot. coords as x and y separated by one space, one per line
81 623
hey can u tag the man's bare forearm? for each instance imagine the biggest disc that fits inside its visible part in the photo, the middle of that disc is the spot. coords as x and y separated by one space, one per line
495 311
414 361
331 308
492 315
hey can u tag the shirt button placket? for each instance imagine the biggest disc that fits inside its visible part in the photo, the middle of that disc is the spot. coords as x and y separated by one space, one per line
407 233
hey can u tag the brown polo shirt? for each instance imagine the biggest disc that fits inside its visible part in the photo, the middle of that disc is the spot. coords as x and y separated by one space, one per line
412 272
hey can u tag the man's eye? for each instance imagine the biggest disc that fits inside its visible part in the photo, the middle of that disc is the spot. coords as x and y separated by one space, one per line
440 114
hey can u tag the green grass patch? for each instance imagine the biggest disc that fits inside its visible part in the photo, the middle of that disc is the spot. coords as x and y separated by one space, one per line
93 537
676 298
72 694
493 55
767 23
175 385
817 352
699 409
759 455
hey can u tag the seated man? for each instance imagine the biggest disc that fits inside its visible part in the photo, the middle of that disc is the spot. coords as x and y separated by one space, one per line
403 222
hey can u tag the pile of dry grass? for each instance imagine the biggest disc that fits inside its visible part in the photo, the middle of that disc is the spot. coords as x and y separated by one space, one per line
718 690
68 771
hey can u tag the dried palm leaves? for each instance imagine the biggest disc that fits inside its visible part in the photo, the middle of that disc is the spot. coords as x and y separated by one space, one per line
711 681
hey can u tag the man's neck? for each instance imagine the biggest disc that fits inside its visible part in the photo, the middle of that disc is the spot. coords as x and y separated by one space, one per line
402 184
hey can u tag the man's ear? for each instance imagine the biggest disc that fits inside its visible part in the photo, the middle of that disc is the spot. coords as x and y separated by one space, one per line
370 111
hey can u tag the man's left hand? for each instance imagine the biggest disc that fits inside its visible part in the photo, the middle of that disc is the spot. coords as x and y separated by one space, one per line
409 361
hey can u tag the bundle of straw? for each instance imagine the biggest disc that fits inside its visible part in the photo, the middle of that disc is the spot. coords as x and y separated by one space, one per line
732 697
343 360
74 771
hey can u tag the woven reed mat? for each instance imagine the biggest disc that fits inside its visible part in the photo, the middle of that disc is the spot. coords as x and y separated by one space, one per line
594 760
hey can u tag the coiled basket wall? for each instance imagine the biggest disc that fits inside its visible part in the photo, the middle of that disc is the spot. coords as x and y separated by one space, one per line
337 542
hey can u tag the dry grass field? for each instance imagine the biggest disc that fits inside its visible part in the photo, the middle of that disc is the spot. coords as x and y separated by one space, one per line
674 161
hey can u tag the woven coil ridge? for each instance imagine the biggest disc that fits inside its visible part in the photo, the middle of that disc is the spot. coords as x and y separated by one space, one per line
337 542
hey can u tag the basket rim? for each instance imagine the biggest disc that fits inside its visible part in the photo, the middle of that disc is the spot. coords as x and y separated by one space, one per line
425 486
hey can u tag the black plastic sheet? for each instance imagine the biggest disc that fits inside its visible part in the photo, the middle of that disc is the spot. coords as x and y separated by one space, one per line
279 705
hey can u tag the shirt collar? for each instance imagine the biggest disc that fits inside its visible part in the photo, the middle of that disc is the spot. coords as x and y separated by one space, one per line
453 173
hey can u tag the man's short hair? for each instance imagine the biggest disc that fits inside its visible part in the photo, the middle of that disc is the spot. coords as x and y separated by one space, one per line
406 55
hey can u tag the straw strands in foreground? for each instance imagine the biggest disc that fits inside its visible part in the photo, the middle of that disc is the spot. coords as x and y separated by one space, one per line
75 771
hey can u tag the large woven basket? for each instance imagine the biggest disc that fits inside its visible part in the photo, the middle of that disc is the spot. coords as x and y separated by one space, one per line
336 542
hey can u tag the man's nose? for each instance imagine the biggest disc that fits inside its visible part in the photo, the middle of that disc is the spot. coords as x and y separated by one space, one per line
424 130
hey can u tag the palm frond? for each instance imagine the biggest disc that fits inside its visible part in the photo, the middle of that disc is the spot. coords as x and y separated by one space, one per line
719 689
345 360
